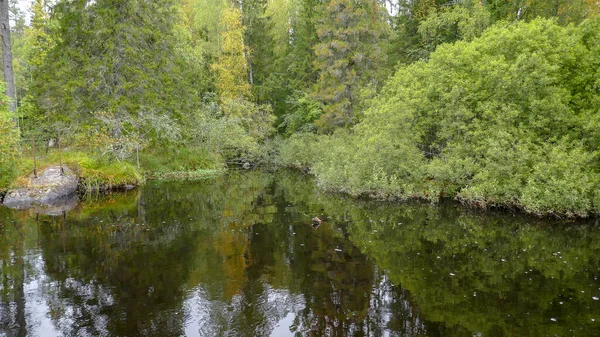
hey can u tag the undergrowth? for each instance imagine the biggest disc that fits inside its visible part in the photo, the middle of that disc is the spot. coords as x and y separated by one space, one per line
95 172
187 163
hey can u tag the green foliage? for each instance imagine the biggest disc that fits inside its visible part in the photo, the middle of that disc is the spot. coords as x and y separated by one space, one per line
300 151
421 25
405 45
293 72
96 172
465 21
259 40
347 58
177 161
104 61
565 11
563 181
9 142
244 124
472 120
502 120
304 112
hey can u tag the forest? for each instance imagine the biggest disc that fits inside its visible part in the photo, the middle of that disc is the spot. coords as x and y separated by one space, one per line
495 103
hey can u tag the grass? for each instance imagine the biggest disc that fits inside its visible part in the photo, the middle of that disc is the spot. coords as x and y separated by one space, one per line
187 163
98 173
188 175
95 172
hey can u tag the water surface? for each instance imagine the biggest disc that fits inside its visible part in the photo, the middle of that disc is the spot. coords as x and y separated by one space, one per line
239 256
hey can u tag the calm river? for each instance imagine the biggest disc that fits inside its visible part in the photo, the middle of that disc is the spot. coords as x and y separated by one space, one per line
238 255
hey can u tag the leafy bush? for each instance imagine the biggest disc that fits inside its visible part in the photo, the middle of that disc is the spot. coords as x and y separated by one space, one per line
9 142
237 135
305 111
510 118
300 151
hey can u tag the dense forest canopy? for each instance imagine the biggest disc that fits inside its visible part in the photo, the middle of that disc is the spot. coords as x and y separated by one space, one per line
494 102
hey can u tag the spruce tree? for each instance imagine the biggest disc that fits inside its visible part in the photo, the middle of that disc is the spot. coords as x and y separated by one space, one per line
259 42
348 58
113 61
293 73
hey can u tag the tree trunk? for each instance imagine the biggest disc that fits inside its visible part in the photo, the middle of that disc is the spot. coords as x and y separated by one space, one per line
7 55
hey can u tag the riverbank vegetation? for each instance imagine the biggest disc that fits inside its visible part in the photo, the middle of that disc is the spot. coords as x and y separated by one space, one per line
494 103
96 172
508 119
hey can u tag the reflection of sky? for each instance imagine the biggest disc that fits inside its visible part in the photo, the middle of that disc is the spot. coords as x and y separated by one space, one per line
283 326
37 311
276 292
40 319
204 315
197 306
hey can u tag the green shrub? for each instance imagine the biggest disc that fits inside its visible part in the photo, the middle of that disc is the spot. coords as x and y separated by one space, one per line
299 151
9 141
562 183
508 119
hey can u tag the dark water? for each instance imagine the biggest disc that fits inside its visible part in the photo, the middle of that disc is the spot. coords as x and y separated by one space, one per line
238 256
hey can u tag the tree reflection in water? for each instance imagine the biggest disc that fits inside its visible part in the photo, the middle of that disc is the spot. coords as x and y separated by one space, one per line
238 256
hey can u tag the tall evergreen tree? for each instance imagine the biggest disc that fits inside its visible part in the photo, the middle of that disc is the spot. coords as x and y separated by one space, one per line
405 45
348 58
259 41
292 73
114 61
38 43
304 38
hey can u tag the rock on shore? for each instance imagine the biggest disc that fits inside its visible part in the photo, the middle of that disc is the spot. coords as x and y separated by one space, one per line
48 188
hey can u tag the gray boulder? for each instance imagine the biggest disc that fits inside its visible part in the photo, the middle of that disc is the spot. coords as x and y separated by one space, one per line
46 189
